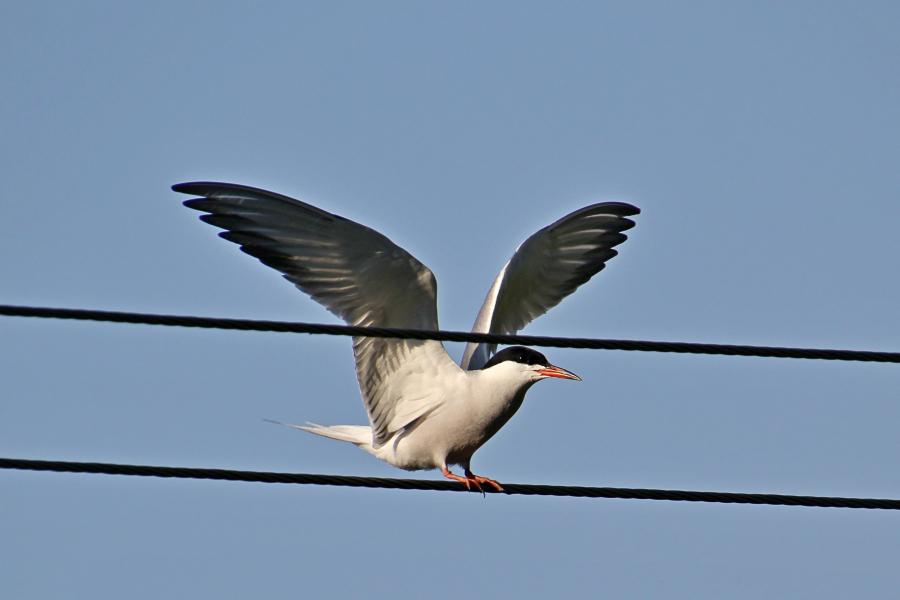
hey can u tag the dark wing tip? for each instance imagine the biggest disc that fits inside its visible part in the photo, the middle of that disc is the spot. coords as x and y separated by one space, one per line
602 210
626 224
620 209
207 188
196 204
236 193
191 187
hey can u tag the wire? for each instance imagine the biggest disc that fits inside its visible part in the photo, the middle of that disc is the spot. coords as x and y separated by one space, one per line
448 336
446 486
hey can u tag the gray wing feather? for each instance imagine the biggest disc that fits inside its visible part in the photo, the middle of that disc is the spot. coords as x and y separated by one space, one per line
354 271
546 268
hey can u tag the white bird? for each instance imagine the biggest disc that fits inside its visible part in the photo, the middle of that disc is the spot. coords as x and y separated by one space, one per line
425 412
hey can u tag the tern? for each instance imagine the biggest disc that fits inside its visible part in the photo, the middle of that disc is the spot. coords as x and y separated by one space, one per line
425 411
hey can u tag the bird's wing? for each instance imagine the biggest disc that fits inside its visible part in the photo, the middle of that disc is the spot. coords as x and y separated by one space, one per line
546 268
352 270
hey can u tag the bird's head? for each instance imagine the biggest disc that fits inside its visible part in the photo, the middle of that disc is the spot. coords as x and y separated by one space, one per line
527 364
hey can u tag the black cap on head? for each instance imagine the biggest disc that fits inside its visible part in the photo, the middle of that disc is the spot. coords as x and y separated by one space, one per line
519 354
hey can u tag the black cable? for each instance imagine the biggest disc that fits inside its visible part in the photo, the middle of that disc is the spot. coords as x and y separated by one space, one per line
448 336
446 486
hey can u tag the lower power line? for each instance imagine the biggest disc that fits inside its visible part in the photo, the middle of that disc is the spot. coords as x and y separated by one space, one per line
446 486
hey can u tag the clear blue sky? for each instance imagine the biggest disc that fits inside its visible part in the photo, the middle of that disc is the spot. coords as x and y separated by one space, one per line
760 139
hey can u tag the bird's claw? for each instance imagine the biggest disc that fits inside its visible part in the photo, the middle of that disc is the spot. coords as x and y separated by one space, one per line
478 479
472 480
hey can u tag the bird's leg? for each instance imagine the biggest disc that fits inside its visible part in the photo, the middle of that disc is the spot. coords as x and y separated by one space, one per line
467 481
478 479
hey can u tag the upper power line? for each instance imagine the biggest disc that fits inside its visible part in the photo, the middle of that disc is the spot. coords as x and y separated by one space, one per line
449 336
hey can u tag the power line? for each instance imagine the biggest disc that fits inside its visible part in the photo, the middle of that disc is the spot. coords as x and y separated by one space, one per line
448 336
446 486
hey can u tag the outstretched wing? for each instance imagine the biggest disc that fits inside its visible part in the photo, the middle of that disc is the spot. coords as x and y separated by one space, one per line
546 268
355 272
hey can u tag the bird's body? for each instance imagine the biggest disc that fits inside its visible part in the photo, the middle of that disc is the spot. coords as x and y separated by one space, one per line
425 411
469 407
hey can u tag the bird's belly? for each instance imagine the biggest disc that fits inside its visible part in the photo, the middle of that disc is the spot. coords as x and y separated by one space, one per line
451 436
423 448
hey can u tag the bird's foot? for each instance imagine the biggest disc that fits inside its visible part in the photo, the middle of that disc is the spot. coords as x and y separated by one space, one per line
471 480
467 481
478 479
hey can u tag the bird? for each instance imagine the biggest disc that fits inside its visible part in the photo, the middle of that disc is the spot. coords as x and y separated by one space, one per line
425 411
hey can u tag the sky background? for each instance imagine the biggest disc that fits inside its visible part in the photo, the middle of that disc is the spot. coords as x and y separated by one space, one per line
760 139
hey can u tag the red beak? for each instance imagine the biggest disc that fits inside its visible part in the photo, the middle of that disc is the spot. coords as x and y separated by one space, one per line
554 371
